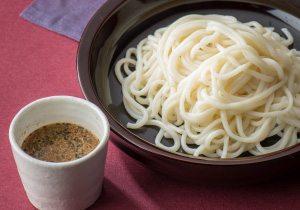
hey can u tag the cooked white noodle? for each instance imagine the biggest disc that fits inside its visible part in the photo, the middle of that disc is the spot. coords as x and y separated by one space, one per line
215 86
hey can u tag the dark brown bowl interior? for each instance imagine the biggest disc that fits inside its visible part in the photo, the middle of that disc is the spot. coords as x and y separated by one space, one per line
118 25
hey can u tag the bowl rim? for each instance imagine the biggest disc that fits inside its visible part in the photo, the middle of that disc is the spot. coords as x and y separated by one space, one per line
57 99
89 92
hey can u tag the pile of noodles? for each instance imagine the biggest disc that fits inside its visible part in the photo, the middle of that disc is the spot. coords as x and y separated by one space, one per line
215 86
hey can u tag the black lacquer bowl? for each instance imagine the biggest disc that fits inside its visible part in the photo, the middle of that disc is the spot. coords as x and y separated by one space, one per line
118 25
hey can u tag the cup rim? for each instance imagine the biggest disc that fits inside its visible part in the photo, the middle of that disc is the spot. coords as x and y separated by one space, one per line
71 163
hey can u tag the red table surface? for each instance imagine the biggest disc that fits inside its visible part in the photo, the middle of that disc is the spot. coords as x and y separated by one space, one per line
36 63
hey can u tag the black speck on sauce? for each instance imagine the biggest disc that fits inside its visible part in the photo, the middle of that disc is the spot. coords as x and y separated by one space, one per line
60 142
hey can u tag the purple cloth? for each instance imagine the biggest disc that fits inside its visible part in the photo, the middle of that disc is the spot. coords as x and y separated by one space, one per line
66 17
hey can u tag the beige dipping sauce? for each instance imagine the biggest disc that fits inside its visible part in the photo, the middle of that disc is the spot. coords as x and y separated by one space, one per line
60 142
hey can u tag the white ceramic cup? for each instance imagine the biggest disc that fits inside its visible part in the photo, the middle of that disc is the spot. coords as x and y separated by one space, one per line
74 184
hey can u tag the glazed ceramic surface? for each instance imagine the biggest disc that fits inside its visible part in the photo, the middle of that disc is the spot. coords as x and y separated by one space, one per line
65 185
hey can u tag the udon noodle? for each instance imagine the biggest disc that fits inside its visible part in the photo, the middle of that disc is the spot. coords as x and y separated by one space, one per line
214 86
